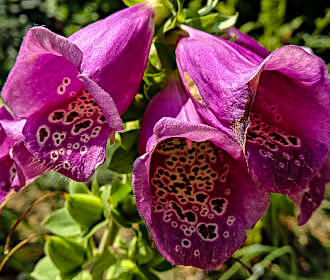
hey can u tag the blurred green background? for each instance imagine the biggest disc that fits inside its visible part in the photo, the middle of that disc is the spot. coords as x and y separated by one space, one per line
281 247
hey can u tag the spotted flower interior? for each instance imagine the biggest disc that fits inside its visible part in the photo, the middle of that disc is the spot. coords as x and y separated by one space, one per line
197 202
281 152
65 135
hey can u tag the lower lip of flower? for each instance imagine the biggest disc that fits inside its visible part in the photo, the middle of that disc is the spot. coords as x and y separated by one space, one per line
191 191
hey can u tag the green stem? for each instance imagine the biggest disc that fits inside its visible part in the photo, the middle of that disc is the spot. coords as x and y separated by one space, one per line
109 236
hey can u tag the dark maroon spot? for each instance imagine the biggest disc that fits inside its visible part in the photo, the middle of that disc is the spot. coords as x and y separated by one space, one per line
43 134
178 210
82 125
217 205
71 116
161 193
201 197
308 195
207 231
206 166
190 151
185 242
195 169
278 138
191 217
271 145
293 140
57 116
255 136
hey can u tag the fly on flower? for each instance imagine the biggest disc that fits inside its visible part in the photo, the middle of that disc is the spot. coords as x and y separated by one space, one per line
191 184
71 92
277 109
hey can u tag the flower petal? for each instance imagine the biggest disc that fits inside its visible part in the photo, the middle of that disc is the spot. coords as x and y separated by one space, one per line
106 102
216 73
246 41
169 127
45 72
28 168
289 136
69 137
314 193
172 102
200 196
7 174
120 49
7 169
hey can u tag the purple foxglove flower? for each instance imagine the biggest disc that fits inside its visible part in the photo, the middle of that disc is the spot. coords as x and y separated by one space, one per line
71 92
277 109
17 165
191 185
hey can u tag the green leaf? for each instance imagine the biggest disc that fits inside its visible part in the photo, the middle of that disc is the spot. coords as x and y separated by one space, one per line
125 270
78 187
82 275
224 22
148 274
45 270
169 24
210 5
85 209
212 23
66 254
61 223
120 219
144 253
122 160
102 262
94 229
118 192
129 138
130 3
136 109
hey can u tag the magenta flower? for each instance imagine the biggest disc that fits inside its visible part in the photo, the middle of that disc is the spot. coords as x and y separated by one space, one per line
277 109
71 92
17 165
191 185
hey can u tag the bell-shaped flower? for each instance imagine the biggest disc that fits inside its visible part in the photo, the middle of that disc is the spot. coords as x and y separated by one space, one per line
277 109
71 92
191 184
17 166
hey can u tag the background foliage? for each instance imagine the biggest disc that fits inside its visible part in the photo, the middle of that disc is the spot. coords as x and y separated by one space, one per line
275 249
